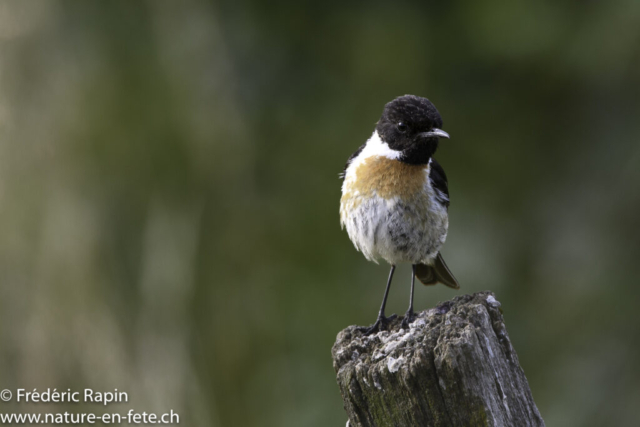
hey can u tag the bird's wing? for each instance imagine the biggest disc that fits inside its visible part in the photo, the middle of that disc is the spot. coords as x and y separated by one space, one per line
351 157
439 182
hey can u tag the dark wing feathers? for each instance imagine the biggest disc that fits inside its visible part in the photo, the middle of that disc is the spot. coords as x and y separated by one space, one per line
438 272
439 181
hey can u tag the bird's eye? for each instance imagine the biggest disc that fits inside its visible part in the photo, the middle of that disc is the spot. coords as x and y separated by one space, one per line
402 127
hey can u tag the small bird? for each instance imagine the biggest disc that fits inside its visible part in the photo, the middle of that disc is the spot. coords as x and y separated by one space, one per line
395 199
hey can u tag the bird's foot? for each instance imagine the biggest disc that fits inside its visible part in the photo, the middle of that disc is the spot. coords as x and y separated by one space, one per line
382 323
409 317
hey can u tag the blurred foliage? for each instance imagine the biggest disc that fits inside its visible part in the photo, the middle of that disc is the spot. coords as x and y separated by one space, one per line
169 194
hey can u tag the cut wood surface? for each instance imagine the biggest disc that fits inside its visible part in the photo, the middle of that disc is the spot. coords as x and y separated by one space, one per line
454 366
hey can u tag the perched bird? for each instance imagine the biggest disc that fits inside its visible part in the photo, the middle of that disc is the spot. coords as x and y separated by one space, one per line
395 199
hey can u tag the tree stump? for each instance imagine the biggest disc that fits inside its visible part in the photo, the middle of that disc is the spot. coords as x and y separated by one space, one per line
454 366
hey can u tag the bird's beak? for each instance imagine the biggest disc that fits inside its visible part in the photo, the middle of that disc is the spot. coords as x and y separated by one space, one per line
435 132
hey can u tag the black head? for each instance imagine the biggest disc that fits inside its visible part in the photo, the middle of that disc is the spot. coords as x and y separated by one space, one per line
411 124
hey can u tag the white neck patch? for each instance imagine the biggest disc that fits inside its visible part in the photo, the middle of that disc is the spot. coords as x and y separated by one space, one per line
376 147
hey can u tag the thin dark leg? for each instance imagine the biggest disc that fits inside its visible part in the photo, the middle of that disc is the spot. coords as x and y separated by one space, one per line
409 315
382 321
386 291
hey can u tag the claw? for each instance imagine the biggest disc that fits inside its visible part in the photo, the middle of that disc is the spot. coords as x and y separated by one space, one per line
409 317
382 323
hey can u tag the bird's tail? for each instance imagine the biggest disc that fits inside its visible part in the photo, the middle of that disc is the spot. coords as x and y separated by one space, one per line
436 273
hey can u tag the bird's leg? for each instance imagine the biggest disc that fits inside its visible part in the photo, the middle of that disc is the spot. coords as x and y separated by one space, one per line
409 315
382 322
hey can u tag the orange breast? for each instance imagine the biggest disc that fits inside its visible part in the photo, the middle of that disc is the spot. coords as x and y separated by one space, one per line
389 178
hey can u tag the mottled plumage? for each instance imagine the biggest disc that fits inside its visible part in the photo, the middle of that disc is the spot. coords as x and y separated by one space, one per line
391 210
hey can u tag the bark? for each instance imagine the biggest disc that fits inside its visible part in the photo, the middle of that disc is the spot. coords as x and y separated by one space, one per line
454 366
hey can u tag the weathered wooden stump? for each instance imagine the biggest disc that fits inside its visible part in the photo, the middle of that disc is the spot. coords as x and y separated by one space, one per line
455 366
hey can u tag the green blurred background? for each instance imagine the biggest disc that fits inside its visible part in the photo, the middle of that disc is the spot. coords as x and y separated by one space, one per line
169 195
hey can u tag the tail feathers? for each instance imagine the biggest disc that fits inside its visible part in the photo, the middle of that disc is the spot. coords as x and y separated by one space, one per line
436 273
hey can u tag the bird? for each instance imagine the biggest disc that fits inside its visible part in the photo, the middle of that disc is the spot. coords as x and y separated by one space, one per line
395 198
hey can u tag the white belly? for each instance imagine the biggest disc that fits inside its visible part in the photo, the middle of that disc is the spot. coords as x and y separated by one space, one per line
396 230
